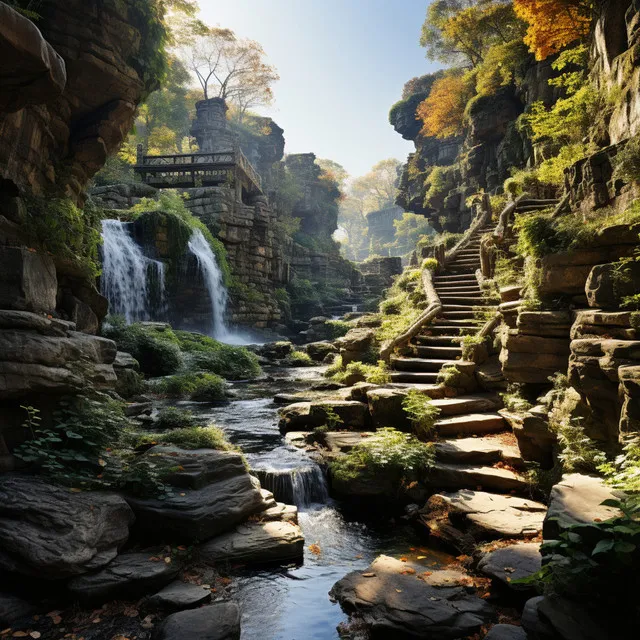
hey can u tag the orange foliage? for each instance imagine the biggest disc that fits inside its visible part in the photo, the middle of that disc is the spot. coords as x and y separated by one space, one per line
442 113
553 24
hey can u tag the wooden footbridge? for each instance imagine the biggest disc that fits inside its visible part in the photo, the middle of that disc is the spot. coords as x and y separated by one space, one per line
189 170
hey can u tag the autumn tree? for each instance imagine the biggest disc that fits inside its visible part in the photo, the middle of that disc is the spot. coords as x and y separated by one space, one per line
553 24
462 31
378 188
231 68
442 112
334 171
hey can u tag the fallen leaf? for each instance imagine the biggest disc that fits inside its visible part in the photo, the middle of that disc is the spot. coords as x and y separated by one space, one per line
20 634
315 549
102 463
369 575
399 590
509 569
403 559
35 634
130 612
408 571
167 560
421 557
358 557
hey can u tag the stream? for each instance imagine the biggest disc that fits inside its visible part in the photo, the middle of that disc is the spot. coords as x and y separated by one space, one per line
292 603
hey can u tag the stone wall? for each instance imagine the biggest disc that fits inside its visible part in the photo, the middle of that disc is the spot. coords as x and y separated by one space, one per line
380 228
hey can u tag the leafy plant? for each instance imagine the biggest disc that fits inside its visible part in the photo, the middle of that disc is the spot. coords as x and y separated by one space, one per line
469 345
514 399
298 359
361 372
627 161
388 450
421 412
202 387
450 376
430 263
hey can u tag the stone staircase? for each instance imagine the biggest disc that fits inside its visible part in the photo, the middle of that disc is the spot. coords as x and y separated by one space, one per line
475 448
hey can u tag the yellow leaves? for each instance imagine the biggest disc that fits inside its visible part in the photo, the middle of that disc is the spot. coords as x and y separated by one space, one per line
315 549
553 24
442 112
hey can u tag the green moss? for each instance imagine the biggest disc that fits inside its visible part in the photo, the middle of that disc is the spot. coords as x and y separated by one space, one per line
360 372
298 359
201 387
174 418
210 437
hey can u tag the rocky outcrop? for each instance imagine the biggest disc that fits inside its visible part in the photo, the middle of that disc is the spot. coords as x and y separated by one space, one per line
49 532
213 492
219 621
74 87
512 563
392 603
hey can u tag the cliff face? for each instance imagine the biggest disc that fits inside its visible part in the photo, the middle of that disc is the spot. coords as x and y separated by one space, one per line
85 72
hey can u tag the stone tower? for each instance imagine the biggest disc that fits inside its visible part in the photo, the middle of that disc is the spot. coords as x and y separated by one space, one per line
211 128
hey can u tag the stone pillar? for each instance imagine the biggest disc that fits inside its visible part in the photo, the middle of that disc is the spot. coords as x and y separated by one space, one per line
211 128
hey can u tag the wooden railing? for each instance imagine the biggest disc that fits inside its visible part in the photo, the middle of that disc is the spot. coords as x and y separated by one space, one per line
205 167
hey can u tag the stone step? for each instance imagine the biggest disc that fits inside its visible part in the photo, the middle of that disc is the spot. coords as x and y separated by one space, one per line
457 315
456 322
480 478
451 330
471 424
413 377
432 390
465 307
478 451
460 271
436 341
460 405
455 279
458 291
438 352
424 364
469 299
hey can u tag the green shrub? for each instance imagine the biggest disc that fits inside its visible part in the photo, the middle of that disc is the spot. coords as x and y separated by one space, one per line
210 437
388 450
469 344
202 387
391 306
298 359
156 351
73 447
422 413
514 400
430 263
627 162
337 328
361 372
450 376
174 418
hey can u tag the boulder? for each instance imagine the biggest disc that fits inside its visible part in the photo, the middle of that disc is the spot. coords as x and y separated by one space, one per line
214 492
577 499
358 391
256 543
608 284
275 350
129 576
305 416
506 632
547 324
488 515
630 391
612 324
532 359
318 351
392 603
49 532
29 281
356 345
178 596
512 563
385 407
535 438
13 609
219 621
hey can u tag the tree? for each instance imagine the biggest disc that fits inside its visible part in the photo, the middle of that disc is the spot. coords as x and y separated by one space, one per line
334 171
553 24
378 188
231 68
409 229
442 112
462 31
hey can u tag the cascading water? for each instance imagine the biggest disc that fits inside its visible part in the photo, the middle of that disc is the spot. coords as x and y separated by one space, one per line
302 486
212 275
133 283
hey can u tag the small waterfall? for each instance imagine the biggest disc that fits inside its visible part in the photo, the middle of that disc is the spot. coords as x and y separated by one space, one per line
133 283
212 275
301 486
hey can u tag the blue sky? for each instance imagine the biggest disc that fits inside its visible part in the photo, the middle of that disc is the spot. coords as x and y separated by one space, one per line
342 64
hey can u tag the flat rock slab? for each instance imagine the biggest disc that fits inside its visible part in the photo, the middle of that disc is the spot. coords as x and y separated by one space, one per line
577 499
309 415
394 604
219 621
50 532
471 424
512 563
467 404
477 451
179 596
281 511
506 632
344 441
454 476
130 575
494 515
256 543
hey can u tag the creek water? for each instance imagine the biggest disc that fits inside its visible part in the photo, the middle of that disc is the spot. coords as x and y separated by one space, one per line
292 603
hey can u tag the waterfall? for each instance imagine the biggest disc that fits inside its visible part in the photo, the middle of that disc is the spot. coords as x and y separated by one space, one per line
200 248
301 486
133 283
